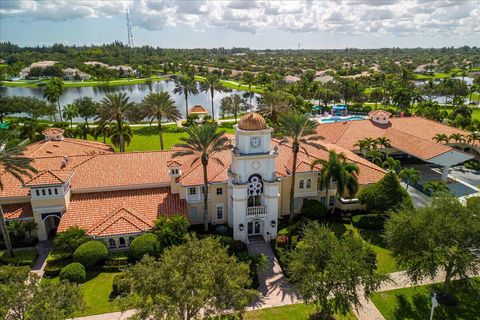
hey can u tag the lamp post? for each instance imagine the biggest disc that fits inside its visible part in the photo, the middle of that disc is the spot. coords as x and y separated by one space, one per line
434 305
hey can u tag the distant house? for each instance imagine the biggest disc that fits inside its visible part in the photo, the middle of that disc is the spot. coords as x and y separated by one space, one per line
96 63
40 64
3 61
74 73
324 79
291 79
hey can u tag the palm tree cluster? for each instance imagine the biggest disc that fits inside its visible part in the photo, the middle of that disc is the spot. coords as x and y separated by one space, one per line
472 138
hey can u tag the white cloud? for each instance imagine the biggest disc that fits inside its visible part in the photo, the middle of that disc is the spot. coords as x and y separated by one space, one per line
406 17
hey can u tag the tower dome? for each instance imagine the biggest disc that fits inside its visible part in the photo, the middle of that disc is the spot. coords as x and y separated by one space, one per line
252 121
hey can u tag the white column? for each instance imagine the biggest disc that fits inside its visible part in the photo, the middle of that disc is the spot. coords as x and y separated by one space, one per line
271 195
41 230
445 173
239 208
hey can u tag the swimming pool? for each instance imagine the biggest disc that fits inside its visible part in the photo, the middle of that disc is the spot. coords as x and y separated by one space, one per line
341 119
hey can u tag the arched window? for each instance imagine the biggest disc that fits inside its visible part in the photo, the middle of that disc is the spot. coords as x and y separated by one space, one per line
122 242
112 243
130 239
301 184
309 183
255 190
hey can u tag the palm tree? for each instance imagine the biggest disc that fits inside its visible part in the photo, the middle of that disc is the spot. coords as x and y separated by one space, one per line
298 129
441 137
391 164
121 136
212 83
457 137
337 168
186 85
159 106
52 92
70 111
249 79
435 187
410 175
233 104
383 142
13 162
376 156
203 142
82 131
102 129
114 108
473 137
273 103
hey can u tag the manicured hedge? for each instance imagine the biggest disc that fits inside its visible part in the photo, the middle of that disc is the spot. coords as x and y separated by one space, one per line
120 286
73 272
314 209
144 244
90 253
369 221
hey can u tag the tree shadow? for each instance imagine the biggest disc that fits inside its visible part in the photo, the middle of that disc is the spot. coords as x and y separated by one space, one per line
374 237
338 228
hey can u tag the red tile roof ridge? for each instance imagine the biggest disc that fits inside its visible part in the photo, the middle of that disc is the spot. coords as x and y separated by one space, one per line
43 173
112 216
398 119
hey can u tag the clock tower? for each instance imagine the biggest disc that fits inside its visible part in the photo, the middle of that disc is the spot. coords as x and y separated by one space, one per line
252 184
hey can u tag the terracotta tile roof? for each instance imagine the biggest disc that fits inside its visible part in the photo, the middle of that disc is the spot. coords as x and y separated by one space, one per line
413 135
70 147
173 163
136 209
17 210
122 221
52 131
50 177
198 109
379 113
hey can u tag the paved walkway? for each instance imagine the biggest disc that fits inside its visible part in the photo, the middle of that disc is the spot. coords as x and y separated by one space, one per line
274 288
43 249
419 199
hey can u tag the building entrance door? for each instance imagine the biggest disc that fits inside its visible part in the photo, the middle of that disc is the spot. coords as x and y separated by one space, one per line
254 227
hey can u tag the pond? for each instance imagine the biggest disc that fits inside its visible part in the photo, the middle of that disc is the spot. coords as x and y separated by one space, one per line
136 93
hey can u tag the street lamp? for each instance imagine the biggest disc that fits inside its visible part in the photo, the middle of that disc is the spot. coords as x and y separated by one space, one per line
240 227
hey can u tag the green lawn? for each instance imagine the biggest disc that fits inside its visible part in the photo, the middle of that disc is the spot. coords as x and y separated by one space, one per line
88 83
385 261
291 312
415 303
96 293
231 84
21 257
146 138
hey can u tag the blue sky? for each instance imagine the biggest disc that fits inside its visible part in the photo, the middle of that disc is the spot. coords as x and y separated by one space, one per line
254 24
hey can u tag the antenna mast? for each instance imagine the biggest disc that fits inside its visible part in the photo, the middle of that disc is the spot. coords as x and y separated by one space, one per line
129 30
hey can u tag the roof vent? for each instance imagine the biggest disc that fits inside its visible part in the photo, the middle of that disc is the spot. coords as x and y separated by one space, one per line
64 161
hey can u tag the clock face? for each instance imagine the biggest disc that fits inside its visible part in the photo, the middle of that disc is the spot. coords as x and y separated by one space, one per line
255 142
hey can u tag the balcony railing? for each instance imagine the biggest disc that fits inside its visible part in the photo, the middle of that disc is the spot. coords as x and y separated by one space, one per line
256 211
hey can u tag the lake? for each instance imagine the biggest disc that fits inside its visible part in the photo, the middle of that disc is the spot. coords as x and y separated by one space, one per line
136 92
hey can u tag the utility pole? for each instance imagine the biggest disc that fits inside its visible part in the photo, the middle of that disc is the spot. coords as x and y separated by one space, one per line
129 30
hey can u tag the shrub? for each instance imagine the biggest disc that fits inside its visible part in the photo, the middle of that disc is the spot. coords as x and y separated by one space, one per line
69 240
314 209
90 253
387 194
146 243
73 272
237 247
282 240
120 286
369 221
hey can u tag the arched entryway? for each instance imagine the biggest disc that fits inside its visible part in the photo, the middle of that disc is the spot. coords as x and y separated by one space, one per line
51 223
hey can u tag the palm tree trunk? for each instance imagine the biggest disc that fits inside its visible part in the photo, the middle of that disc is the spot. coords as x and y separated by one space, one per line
59 110
160 131
71 123
186 105
120 135
292 186
6 236
205 196
212 93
